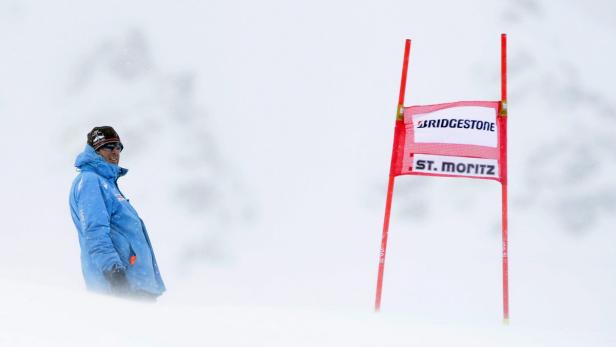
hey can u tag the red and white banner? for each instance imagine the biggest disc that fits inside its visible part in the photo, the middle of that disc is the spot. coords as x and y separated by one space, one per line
460 139
457 139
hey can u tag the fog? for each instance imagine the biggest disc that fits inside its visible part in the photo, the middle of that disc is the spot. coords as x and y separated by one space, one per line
258 138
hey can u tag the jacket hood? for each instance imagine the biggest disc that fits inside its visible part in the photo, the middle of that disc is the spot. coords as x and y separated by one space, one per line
89 160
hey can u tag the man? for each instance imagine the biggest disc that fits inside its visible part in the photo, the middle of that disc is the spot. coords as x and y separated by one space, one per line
116 254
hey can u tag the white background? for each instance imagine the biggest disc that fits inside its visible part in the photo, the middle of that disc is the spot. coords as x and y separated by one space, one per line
458 135
258 138
437 165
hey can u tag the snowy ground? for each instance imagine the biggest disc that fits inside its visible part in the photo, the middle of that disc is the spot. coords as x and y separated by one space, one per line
61 318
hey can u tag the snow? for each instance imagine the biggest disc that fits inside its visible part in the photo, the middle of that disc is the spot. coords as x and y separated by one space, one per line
258 138
60 318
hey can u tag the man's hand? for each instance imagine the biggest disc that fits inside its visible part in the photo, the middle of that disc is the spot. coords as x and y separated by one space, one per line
117 281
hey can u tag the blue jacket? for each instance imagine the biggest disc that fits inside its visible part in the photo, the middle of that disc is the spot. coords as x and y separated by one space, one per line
110 230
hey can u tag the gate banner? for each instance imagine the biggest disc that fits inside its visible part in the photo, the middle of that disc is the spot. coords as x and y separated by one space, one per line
456 139
460 139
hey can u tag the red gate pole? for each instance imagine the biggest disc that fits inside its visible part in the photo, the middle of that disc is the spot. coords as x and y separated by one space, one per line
390 186
503 154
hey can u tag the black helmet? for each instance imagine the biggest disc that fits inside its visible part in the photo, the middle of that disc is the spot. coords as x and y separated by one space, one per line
100 136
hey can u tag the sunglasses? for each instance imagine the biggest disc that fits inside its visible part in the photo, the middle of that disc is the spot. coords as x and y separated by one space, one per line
111 146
